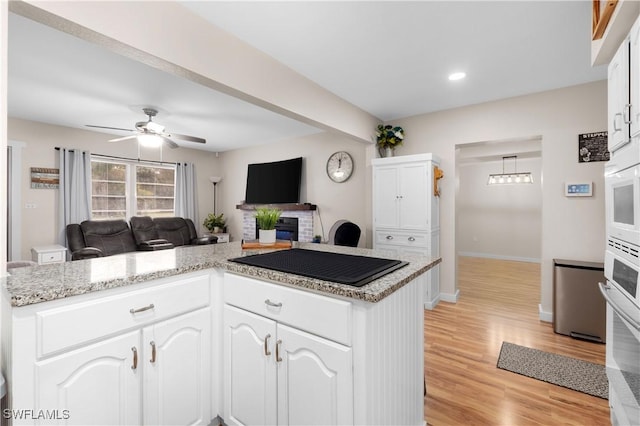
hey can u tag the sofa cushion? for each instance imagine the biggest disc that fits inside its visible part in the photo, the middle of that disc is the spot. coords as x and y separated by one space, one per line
109 236
174 230
143 229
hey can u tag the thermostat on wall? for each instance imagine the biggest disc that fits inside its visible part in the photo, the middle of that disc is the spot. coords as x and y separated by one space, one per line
582 189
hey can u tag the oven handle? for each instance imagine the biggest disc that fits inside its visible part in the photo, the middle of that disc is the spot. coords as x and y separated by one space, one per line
604 288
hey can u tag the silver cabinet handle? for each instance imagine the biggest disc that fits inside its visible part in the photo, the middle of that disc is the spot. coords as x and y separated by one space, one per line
626 118
411 239
267 352
146 308
278 359
615 127
389 237
135 358
273 305
153 352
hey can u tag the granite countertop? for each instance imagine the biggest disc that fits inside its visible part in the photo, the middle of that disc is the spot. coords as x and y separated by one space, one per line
29 285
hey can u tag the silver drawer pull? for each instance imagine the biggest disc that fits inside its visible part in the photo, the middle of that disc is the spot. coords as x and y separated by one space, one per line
273 305
389 237
267 352
411 239
135 358
146 308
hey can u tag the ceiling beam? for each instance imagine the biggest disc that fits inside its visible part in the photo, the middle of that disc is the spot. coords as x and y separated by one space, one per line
171 38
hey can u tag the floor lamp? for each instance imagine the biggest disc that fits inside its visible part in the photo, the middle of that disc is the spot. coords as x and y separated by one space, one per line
214 180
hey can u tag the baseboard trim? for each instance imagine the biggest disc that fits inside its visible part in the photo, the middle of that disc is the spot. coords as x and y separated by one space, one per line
499 256
451 298
430 304
543 315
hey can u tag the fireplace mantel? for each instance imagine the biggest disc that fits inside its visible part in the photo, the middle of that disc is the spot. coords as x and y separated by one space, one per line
284 207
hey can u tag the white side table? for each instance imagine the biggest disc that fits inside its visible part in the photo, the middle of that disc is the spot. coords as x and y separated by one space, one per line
222 238
54 253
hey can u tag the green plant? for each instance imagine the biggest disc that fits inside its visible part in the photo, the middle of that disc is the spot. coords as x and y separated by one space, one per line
267 218
389 136
214 221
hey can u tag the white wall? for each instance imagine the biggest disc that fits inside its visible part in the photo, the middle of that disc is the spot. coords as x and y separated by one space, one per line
499 221
39 225
347 200
571 228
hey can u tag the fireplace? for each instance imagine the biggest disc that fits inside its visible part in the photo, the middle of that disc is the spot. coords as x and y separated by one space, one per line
286 229
300 213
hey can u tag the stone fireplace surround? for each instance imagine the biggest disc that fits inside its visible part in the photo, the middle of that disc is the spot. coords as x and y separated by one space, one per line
304 213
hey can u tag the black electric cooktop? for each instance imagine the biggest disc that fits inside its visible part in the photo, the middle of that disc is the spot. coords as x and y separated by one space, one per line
337 267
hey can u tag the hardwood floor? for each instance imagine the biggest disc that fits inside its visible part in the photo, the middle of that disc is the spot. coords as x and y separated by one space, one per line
499 302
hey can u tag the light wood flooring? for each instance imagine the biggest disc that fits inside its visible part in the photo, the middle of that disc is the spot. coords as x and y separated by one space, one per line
499 302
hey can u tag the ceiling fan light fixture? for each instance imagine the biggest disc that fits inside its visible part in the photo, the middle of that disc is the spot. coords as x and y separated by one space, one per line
150 141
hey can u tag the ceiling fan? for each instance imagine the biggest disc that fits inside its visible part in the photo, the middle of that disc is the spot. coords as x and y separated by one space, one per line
150 133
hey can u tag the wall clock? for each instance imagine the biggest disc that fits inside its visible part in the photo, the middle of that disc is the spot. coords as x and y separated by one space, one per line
339 166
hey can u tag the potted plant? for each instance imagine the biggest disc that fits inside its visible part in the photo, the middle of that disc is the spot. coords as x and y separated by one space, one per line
214 223
267 219
388 138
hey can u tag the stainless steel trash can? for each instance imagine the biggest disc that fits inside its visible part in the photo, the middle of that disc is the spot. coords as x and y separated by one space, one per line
579 310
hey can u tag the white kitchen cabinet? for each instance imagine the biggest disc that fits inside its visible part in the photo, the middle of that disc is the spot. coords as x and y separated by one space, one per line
623 92
177 370
406 219
93 385
137 355
276 374
295 357
634 72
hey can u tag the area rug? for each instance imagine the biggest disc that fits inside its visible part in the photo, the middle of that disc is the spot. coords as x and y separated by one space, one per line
560 370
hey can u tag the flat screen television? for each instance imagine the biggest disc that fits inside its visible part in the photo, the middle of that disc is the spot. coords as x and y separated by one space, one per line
274 183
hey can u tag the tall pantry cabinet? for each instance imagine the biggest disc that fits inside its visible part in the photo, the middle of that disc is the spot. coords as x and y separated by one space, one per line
406 218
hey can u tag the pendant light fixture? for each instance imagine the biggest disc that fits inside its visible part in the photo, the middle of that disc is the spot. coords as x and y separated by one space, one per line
510 178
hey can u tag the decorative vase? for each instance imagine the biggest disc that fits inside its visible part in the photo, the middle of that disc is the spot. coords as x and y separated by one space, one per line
267 237
388 152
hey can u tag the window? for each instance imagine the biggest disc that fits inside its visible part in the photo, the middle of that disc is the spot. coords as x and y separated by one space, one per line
120 190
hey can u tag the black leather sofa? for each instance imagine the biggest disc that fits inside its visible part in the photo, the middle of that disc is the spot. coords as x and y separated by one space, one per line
176 230
98 238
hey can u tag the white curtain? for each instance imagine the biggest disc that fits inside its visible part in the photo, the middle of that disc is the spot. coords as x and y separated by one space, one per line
185 197
74 196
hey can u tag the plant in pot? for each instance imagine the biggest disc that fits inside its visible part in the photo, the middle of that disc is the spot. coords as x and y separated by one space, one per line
388 138
215 222
267 219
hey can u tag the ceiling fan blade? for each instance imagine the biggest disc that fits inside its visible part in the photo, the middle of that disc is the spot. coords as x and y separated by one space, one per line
110 128
123 138
187 138
169 142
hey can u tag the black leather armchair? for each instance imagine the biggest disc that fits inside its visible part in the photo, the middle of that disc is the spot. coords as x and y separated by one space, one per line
344 233
177 231
180 231
146 235
98 238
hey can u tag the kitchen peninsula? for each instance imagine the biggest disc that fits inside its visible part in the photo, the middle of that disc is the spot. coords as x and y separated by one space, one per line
184 335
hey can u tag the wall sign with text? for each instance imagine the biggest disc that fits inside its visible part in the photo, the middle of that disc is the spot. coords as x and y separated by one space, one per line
593 147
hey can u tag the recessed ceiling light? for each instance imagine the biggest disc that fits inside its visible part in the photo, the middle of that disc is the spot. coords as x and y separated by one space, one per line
457 76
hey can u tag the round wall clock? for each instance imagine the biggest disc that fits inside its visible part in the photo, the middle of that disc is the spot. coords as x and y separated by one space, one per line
340 166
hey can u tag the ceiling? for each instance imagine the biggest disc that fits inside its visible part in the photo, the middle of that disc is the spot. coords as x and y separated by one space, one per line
391 59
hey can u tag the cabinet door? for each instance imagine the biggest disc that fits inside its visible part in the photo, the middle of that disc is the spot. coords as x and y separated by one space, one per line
385 197
177 370
414 196
97 384
315 380
250 387
634 59
618 96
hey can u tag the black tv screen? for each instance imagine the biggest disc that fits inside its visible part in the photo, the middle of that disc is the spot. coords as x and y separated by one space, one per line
272 183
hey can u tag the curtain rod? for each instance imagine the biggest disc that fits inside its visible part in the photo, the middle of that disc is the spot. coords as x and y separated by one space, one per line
128 159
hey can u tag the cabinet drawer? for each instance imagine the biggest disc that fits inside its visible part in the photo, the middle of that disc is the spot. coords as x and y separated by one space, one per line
320 315
52 257
407 239
74 324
